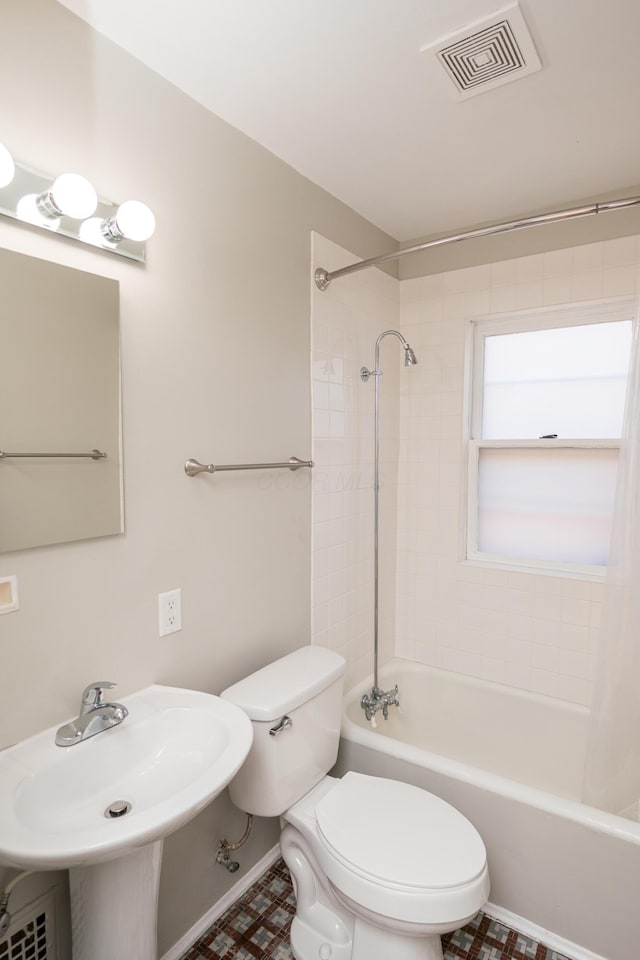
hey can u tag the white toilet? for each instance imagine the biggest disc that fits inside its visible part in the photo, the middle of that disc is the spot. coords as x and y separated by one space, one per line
380 868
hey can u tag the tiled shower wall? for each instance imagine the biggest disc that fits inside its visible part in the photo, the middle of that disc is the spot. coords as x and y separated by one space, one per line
530 631
346 320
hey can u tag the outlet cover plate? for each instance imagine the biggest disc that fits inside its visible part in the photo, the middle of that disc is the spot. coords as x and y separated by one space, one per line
170 612
8 594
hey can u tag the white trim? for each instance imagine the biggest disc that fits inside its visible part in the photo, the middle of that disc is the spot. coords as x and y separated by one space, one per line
486 561
546 318
567 948
209 918
543 443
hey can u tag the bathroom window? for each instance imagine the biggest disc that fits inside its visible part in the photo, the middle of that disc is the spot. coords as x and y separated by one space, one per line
547 405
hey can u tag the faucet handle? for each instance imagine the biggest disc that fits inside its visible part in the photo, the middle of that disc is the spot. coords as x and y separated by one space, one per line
93 694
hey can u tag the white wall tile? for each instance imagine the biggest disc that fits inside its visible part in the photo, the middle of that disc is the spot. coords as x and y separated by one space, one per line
345 326
620 252
503 298
588 258
558 263
620 281
504 273
530 268
535 633
587 285
556 290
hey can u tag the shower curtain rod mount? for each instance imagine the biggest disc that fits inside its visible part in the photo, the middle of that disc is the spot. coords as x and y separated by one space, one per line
324 277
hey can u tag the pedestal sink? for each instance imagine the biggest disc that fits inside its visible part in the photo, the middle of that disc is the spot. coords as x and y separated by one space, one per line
172 755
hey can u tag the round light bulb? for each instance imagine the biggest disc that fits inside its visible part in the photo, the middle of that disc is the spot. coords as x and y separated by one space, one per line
7 166
74 196
91 232
134 220
27 209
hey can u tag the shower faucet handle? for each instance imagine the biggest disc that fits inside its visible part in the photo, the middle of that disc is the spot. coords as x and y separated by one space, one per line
378 699
365 373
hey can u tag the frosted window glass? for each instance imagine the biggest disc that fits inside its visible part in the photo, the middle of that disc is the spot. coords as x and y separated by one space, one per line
570 381
546 504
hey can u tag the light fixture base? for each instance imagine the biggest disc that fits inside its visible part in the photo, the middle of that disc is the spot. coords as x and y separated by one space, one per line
110 231
47 207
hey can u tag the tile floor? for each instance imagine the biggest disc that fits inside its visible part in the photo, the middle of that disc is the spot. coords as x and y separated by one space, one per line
256 927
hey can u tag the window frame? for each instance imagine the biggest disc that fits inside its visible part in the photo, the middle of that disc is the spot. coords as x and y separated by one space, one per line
604 311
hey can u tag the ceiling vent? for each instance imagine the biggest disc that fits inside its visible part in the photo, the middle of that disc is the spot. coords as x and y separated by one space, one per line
487 53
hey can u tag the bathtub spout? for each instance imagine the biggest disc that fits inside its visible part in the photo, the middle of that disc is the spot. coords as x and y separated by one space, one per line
379 700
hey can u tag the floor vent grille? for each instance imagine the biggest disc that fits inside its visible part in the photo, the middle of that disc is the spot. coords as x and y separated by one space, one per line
487 54
31 934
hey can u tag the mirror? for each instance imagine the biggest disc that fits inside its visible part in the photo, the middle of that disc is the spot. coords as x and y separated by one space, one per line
59 402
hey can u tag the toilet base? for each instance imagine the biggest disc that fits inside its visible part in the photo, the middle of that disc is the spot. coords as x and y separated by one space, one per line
328 927
373 941
308 943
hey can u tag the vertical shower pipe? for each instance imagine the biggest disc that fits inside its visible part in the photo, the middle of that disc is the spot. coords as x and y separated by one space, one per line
379 699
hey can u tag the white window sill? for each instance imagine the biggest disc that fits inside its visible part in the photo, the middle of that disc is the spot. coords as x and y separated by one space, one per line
568 571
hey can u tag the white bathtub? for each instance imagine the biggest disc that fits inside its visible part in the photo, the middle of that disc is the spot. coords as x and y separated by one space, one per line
512 763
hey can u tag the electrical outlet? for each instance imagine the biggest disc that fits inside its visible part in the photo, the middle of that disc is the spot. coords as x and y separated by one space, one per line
170 612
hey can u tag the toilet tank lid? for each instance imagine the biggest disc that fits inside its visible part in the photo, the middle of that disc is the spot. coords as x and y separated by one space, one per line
287 683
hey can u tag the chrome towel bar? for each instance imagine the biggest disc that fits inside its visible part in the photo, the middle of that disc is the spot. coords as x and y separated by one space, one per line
93 455
192 467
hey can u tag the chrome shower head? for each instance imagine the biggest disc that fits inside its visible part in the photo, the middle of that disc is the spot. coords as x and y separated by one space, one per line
410 359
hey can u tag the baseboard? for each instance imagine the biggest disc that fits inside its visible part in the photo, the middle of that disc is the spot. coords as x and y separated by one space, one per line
219 907
568 949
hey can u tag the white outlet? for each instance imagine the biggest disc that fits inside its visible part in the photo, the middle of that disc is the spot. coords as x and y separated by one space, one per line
170 612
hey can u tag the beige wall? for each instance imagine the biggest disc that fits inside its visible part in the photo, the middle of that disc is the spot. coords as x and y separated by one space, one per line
215 346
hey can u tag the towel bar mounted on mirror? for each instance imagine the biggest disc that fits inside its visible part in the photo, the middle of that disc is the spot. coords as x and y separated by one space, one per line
193 467
93 455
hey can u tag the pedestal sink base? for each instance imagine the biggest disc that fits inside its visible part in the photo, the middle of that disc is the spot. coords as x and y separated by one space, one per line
114 906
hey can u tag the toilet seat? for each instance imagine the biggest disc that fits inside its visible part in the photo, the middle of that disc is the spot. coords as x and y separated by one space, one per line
398 835
399 851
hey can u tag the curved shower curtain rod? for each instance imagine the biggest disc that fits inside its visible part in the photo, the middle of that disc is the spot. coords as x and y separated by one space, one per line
324 277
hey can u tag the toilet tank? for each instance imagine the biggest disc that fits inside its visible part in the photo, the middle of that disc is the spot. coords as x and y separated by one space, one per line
284 764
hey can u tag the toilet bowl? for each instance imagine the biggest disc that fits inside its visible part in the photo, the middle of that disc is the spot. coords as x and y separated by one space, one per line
397 858
380 868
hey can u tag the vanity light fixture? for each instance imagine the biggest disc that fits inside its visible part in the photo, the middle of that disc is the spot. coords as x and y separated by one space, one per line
7 166
69 205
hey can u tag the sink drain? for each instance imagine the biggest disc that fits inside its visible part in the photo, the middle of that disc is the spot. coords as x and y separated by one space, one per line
119 808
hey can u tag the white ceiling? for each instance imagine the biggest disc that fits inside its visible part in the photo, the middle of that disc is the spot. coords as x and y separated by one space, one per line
339 90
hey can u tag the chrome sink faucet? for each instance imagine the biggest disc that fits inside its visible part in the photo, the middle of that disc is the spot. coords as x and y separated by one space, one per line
94 717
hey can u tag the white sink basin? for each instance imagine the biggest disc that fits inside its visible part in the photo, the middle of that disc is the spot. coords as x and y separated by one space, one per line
174 753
